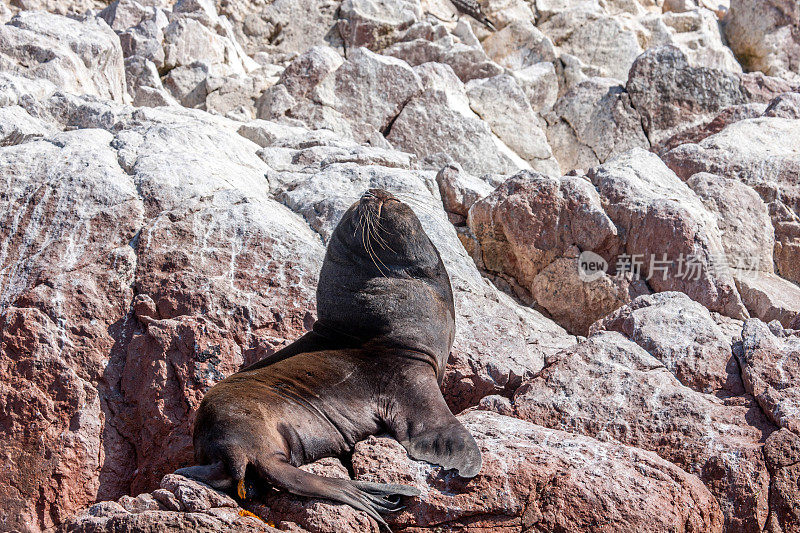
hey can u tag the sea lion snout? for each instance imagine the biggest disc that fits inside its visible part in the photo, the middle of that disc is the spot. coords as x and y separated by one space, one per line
377 194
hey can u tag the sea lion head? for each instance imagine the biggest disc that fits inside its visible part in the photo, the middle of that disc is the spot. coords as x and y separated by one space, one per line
383 280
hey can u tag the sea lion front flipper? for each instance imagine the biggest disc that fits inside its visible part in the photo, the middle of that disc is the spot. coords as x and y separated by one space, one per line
372 498
421 421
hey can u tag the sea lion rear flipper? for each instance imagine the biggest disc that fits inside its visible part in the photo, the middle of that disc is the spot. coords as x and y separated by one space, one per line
214 475
426 428
372 498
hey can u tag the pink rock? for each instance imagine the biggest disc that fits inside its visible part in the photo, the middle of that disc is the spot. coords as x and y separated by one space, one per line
532 228
611 389
536 478
666 229
727 116
782 453
763 35
771 371
682 335
762 153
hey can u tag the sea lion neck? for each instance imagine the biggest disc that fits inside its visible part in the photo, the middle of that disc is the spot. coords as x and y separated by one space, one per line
396 291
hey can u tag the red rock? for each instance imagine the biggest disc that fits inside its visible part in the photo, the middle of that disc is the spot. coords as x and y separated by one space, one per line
683 336
697 133
531 230
610 388
770 363
762 153
782 454
666 228
540 479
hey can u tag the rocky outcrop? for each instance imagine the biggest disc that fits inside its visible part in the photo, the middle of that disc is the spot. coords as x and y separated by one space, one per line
611 388
770 362
593 122
172 172
82 57
761 153
765 35
568 475
683 336
678 243
532 228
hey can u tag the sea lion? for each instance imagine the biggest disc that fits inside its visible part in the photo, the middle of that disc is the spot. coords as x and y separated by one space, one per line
373 362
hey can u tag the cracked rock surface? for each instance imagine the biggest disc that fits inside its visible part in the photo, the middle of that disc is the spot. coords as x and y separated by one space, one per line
171 172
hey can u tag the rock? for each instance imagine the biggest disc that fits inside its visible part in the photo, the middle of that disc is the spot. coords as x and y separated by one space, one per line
786 105
611 389
426 42
540 84
782 454
532 228
531 219
186 41
726 117
237 92
761 88
683 336
349 97
145 86
122 213
770 362
82 57
763 35
593 122
18 126
500 102
762 153
74 266
677 241
216 520
696 32
141 503
393 79
575 302
266 133
670 95
197 34
187 84
459 190
124 14
438 125
284 27
193 496
519 45
553 481
610 44
15 88
769 297
145 40
743 219
375 25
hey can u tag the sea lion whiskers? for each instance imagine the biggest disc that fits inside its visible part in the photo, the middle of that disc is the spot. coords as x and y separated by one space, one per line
419 204
371 251
377 227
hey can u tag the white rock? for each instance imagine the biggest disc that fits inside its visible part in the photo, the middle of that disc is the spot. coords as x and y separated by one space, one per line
82 57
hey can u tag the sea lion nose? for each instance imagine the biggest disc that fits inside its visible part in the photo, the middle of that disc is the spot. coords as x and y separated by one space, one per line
378 194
